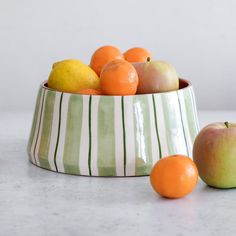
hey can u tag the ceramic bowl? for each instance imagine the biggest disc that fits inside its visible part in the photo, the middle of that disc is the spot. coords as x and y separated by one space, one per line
111 135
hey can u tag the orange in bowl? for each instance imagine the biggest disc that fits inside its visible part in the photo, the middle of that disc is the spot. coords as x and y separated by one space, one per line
102 56
174 176
119 77
137 55
90 92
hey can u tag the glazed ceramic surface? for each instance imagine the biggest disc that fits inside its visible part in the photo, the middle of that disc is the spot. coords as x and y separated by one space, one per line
111 135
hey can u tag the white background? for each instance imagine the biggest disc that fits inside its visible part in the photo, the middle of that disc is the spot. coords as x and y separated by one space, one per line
197 37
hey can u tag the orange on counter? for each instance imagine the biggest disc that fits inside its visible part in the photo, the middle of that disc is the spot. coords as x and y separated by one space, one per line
90 92
174 176
137 55
102 56
119 77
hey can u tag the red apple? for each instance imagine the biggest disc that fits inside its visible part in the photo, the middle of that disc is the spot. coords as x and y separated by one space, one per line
156 76
214 152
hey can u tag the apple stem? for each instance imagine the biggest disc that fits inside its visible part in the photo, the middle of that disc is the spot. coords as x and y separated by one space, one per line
148 59
227 124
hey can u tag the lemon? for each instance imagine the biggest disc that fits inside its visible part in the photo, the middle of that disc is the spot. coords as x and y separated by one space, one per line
72 76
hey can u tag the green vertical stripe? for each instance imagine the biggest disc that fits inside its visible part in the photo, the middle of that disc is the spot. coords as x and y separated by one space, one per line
90 136
190 111
36 114
106 133
143 142
73 135
40 121
156 127
169 112
46 129
124 136
58 132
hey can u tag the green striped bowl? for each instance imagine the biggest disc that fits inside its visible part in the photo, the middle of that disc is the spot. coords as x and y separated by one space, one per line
111 135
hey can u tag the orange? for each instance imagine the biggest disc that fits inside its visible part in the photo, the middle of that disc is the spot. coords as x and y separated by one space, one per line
137 55
119 77
174 176
90 92
102 56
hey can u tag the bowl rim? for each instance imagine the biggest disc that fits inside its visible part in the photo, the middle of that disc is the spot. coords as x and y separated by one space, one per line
189 85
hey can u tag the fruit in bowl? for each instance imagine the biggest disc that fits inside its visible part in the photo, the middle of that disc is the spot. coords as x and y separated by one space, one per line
90 92
119 77
156 76
102 56
71 76
137 54
214 152
113 73
84 132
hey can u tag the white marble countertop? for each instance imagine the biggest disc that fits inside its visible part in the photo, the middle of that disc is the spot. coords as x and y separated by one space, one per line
34 201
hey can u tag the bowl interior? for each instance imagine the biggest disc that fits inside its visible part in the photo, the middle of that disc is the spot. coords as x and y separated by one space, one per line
182 85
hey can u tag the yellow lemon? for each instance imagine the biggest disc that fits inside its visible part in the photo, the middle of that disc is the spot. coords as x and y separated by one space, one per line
72 76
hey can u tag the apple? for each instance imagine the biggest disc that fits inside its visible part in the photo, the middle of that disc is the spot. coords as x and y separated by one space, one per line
156 76
214 152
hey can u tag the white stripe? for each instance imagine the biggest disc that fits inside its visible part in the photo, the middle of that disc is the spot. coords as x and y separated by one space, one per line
177 133
154 141
193 100
94 132
62 135
54 131
40 131
130 137
185 121
161 125
84 143
36 127
119 140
